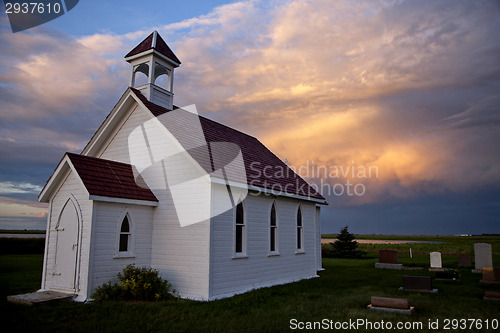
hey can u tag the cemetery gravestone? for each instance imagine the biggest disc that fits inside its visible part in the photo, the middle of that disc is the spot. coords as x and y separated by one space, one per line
388 304
492 295
388 259
420 283
491 275
482 256
436 260
388 256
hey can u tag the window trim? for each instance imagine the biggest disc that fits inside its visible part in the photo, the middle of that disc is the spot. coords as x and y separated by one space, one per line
243 253
274 252
299 250
130 253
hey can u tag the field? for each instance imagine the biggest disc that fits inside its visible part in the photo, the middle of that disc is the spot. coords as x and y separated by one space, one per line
341 294
447 245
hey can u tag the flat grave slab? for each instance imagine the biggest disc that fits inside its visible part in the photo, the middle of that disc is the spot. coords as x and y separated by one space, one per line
493 295
389 304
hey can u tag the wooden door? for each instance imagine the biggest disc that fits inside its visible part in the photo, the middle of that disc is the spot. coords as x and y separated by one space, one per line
66 247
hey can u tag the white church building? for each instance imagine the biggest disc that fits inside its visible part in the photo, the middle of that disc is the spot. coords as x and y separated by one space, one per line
209 207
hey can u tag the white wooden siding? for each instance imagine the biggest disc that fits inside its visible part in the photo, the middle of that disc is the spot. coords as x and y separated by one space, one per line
117 148
70 188
179 253
317 221
161 97
230 276
108 219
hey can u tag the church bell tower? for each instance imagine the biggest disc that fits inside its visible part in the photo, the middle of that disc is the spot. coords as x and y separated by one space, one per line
152 70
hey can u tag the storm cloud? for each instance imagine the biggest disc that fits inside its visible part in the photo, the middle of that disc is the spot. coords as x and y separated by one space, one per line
411 88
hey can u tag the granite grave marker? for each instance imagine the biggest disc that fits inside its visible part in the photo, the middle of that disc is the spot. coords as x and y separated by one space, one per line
482 256
436 260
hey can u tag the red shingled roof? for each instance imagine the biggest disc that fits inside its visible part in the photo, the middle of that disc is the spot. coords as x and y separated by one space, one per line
277 176
256 157
161 46
109 178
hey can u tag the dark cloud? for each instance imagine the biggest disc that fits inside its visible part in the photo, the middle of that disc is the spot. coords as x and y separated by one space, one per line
409 87
446 214
21 223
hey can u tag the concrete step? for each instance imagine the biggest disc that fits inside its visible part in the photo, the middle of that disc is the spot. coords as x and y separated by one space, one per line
40 297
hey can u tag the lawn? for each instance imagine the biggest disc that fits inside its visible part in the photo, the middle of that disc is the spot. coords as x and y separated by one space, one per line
341 293
447 245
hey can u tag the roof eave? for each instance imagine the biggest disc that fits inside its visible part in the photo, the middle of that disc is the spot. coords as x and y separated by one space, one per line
62 170
141 202
156 53
217 180
95 143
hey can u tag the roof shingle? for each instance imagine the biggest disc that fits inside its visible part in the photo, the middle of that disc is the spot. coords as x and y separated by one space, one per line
263 168
109 178
160 46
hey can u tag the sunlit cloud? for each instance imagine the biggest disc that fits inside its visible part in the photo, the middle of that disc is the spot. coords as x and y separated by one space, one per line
408 87
390 84
20 210
10 188
6 200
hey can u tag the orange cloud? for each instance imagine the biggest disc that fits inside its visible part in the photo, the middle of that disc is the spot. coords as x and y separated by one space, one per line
20 210
400 86
340 81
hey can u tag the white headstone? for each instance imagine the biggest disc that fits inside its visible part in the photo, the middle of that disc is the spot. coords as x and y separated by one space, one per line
436 260
482 256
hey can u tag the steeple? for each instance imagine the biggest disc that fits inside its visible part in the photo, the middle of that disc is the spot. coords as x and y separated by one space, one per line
152 70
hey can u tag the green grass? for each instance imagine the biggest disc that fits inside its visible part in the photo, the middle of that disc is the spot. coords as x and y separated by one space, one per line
20 273
341 293
450 245
426 238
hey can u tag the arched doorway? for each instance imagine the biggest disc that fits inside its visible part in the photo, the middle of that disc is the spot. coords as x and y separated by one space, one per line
66 254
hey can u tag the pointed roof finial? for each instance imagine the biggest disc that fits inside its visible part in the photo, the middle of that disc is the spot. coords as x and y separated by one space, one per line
155 36
152 43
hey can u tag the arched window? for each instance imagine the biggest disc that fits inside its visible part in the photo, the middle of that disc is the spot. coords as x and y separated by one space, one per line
162 77
125 236
300 233
163 81
124 243
141 74
239 239
273 230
